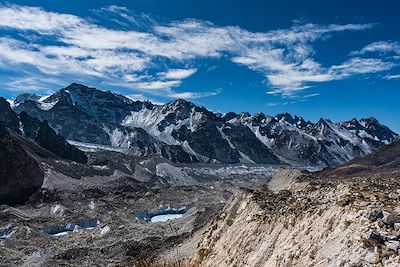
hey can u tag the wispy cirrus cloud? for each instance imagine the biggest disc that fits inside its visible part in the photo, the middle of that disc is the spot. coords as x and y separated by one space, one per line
194 95
392 77
63 44
178 74
380 47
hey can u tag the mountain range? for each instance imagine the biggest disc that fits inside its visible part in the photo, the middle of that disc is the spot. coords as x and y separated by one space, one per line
183 132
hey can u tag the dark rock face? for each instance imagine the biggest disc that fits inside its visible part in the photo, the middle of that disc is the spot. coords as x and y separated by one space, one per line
49 139
67 119
140 141
207 141
76 125
102 106
374 128
46 137
245 141
20 174
7 116
30 125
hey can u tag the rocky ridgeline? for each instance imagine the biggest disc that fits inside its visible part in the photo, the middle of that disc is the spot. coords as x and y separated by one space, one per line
308 222
180 131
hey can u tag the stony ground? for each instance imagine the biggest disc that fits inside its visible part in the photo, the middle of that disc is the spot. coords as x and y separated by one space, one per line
116 196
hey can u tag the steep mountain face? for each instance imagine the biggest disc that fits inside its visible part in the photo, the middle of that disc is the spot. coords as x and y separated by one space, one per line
38 131
20 174
321 144
46 137
384 159
184 132
7 116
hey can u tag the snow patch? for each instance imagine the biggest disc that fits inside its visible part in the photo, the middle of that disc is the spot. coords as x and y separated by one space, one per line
7 234
166 217
47 106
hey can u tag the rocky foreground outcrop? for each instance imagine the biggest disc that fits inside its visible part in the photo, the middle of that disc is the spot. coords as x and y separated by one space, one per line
20 173
308 221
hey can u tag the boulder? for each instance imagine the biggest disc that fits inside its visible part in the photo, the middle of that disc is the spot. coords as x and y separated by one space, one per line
393 245
375 214
393 196
391 219
372 257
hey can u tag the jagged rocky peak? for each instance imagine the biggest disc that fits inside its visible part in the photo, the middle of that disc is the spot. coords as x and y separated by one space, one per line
245 117
370 128
323 127
378 131
179 106
353 124
230 115
296 121
27 96
183 103
259 117
286 117
80 94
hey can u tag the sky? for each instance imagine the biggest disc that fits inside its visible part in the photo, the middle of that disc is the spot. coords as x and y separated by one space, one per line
331 59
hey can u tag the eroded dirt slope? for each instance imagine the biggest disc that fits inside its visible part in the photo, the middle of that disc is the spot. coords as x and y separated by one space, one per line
308 221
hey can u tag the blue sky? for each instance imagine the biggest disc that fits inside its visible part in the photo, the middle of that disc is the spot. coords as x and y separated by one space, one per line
315 59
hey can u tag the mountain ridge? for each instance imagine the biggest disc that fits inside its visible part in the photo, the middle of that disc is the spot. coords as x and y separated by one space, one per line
184 132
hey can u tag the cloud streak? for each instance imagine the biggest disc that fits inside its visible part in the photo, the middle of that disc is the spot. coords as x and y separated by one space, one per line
128 57
380 47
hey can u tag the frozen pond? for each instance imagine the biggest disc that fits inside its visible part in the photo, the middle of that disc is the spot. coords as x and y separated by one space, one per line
60 230
162 215
6 234
165 217
89 224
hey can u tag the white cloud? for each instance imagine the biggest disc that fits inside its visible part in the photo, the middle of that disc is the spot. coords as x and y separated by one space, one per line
275 104
157 85
310 95
194 95
359 66
81 48
178 74
36 19
392 77
126 18
32 84
380 47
